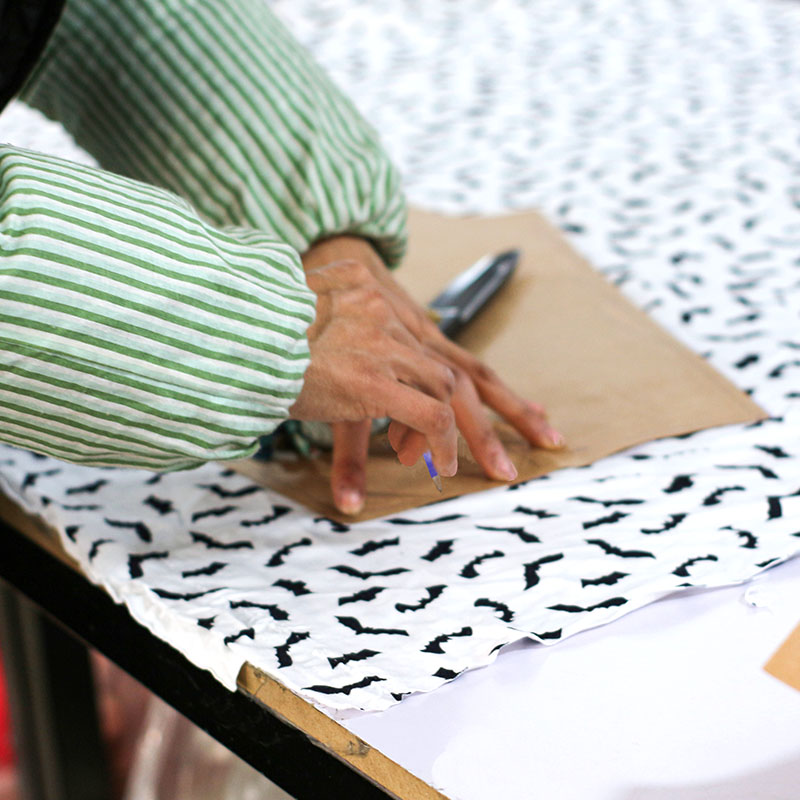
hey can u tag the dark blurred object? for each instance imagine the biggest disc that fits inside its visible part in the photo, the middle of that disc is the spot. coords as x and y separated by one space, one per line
25 28
6 747
175 760
8 775
122 704
468 294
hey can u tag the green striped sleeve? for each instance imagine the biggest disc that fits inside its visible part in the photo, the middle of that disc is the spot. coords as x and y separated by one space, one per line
133 332
214 100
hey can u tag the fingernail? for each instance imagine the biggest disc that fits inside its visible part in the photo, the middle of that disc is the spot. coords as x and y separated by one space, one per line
451 470
351 501
556 439
504 467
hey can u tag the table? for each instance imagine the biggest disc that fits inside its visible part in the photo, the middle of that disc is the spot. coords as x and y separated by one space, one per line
281 735
629 712
662 138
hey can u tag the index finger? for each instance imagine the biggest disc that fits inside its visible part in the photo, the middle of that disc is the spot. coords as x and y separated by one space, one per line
434 419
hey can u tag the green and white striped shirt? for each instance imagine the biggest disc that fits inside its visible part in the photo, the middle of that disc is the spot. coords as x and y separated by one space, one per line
154 313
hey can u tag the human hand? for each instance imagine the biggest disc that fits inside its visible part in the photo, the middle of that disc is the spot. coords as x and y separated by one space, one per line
475 385
366 364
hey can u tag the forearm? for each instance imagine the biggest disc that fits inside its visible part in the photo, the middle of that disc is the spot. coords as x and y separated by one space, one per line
132 332
215 101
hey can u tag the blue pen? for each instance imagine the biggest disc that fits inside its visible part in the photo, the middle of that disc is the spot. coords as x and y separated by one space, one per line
437 481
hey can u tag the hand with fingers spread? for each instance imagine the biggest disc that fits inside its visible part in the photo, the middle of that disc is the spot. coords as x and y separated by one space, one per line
465 386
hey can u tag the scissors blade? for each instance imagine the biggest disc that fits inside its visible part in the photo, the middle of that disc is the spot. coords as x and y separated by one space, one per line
467 295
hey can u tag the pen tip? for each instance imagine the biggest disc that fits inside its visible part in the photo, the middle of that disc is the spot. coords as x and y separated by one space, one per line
437 482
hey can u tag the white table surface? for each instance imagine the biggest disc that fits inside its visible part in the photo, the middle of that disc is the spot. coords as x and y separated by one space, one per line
669 702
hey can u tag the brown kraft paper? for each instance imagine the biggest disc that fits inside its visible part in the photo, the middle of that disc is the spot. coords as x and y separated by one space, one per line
559 334
785 663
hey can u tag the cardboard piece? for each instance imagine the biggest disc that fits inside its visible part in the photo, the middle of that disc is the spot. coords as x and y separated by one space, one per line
559 334
785 663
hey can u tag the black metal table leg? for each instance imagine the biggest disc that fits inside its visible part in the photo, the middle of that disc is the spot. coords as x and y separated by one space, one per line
53 706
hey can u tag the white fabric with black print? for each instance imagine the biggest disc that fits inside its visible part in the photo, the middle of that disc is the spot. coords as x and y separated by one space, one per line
664 139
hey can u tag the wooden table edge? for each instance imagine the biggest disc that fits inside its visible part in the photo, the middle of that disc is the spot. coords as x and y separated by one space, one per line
254 684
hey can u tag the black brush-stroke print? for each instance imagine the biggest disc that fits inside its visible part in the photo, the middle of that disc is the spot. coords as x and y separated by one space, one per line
555 635
279 556
609 520
359 629
160 504
364 682
781 368
539 513
505 613
404 521
372 546
446 674
683 570
611 550
470 570
282 650
774 505
750 540
277 513
336 526
433 593
775 452
135 561
766 472
521 533
573 609
442 548
747 361
31 477
714 498
365 574
87 488
297 588
346 658
226 494
625 501
673 522
604 580
532 568
220 511
138 527
248 633
365 595
679 483
275 611
435 645
212 569
95 548
168 595
214 544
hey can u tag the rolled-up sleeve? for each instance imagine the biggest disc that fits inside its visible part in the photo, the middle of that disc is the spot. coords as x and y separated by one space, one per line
133 332
218 103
